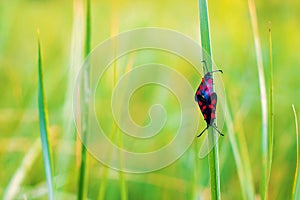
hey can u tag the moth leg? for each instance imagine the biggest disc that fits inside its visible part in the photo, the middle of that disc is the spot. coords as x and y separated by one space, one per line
215 127
203 131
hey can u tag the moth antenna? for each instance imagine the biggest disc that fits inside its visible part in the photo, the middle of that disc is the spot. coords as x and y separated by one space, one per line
203 131
218 70
215 127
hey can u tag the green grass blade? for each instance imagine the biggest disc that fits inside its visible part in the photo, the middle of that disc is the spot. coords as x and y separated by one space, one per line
115 131
43 119
213 156
296 192
88 28
114 31
68 130
83 157
205 34
122 176
263 99
242 164
271 108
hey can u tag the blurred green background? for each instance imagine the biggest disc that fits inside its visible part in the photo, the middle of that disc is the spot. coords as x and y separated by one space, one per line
233 51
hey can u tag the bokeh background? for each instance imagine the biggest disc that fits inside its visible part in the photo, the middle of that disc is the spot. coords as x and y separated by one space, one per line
61 27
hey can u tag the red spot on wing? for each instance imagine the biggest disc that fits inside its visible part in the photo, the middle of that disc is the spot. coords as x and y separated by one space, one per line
213 116
201 87
210 81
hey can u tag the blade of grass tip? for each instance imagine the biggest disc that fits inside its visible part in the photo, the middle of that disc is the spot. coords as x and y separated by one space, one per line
43 119
295 192
213 156
263 99
85 85
271 107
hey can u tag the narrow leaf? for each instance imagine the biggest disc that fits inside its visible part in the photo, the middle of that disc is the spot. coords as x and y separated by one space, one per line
242 164
213 156
263 99
43 119
295 192
85 86
270 109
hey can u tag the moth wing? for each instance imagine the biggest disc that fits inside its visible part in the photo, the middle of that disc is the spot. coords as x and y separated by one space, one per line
213 99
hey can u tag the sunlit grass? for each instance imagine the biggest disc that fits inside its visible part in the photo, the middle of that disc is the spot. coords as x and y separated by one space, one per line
240 166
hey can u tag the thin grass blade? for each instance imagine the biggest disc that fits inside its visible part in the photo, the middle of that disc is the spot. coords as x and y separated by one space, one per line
68 129
242 164
85 93
270 109
263 99
44 130
114 31
213 156
296 189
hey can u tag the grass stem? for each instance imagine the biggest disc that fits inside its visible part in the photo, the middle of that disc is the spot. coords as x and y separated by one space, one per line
263 99
213 156
270 109
83 157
